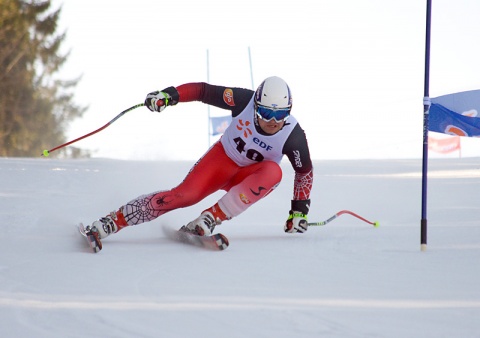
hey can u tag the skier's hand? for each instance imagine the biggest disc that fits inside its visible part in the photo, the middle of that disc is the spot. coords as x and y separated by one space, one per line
296 222
159 100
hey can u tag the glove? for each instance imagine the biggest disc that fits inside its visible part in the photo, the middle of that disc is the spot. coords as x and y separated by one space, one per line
159 100
296 222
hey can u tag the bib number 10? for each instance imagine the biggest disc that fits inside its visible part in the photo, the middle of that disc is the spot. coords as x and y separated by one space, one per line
251 154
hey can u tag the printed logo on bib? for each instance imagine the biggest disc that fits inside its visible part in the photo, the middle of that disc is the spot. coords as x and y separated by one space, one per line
262 144
244 126
228 97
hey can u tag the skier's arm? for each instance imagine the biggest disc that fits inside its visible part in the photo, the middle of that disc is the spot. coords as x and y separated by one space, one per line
231 98
296 149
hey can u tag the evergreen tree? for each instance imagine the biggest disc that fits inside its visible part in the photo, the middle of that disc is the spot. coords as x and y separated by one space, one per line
35 107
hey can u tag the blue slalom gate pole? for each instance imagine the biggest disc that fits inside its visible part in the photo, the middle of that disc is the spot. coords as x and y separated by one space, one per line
426 109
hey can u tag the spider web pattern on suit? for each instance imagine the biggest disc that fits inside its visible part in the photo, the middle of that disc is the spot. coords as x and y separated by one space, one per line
145 208
302 185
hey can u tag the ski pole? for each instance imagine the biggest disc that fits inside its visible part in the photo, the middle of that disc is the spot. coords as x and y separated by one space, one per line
47 152
375 224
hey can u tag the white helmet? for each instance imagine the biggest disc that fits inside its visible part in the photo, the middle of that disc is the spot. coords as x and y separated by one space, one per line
273 99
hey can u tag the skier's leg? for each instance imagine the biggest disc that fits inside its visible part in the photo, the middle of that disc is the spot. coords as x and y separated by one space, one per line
205 177
247 187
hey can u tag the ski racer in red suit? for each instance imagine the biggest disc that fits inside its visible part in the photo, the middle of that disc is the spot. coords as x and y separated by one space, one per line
244 162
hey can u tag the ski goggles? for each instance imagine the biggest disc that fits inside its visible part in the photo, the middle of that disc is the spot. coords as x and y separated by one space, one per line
267 113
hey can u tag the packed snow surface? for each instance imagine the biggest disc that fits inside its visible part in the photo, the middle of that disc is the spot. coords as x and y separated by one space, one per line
344 279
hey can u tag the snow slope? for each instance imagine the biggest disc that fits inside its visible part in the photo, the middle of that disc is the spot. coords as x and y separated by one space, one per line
345 279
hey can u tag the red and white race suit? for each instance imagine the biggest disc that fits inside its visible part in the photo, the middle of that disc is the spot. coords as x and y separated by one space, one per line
244 162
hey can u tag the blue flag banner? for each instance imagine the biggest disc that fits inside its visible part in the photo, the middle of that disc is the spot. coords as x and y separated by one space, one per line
456 114
219 124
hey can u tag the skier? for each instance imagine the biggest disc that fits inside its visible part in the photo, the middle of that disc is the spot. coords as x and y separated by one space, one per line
244 162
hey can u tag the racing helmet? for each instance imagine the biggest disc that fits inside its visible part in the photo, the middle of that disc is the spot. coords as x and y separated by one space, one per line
273 100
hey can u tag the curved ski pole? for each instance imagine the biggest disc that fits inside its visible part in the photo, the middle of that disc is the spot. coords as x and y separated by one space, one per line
375 224
47 152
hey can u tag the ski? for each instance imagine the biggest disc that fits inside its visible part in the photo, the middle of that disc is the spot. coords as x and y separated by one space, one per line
215 242
94 243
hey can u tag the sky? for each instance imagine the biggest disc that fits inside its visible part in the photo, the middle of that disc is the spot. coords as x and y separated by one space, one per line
346 279
355 68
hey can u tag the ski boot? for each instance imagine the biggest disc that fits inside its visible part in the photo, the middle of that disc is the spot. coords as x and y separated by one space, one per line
206 222
104 227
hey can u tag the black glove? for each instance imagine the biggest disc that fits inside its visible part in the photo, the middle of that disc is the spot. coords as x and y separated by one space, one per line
296 222
159 100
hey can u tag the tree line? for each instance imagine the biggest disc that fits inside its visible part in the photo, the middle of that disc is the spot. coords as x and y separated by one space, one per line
35 106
